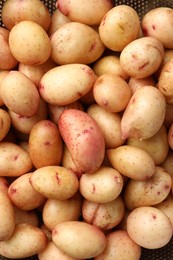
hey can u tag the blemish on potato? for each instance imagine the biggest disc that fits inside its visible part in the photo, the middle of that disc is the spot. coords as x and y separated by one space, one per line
16 157
58 178
93 188
154 216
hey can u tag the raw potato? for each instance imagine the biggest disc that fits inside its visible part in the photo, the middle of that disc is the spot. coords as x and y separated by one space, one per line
120 246
119 27
58 89
142 57
88 12
144 114
168 163
23 195
132 162
55 182
26 216
149 192
83 138
19 93
135 83
79 239
102 186
149 227
45 144
5 123
29 43
75 42
26 241
167 207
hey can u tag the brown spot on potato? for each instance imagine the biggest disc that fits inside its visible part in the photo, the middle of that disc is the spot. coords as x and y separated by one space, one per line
58 178
145 31
143 65
154 27
93 47
93 188
13 190
104 20
16 157
47 143
154 216
41 87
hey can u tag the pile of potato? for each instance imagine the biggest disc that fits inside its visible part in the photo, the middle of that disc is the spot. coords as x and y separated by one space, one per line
86 130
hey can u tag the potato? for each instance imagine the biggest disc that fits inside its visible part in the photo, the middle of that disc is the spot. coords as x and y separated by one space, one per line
14 161
111 92
79 239
110 124
167 164
149 192
55 182
26 241
23 195
167 57
3 73
109 64
45 144
168 116
5 123
157 145
19 93
135 83
58 89
158 23
141 119
119 27
57 211
33 10
4 184
83 138
7 219
102 186
142 57
103 215
149 227
120 246
132 162
88 12
47 232
29 43
84 46
8 61
170 137
26 216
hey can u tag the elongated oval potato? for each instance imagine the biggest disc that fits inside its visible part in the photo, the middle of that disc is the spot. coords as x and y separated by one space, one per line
79 239
55 182
144 114
148 192
103 185
14 160
23 195
149 227
26 241
75 42
132 162
88 12
83 138
5 123
29 43
58 89
19 93
7 220
45 144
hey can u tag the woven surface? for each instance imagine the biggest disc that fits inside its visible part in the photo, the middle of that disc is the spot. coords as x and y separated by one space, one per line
141 6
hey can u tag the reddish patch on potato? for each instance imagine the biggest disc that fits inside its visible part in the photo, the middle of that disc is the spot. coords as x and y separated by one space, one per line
58 178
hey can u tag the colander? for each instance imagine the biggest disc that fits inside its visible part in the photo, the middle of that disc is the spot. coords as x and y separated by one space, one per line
142 7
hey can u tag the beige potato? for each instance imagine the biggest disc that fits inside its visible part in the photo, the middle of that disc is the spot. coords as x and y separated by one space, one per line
109 64
19 93
167 57
5 123
23 195
26 241
45 144
7 218
8 61
76 42
55 182
142 57
158 23
135 83
58 89
88 12
83 138
3 73
149 192
79 239
110 124
57 211
132 162
111 92
167 164
120 246
103 215
29 43
167 207
102 186
14 161
26 216
141 119
149 227
33 10
157 145
4 184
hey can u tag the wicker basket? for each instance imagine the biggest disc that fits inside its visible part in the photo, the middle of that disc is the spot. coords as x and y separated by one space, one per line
141 6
